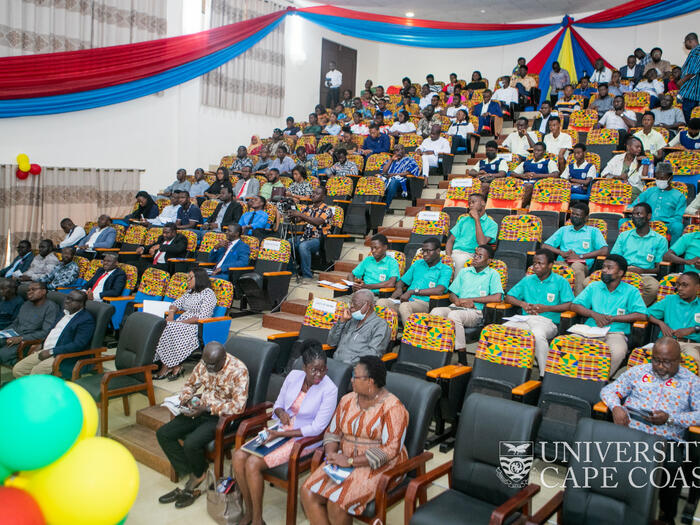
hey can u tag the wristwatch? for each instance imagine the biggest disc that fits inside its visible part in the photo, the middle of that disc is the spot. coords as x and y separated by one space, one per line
351 461
697 329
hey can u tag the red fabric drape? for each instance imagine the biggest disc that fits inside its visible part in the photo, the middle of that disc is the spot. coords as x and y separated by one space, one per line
591 53
619 11
540 59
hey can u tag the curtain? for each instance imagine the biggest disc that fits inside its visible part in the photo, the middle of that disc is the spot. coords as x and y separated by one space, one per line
33 208
254 81
47 26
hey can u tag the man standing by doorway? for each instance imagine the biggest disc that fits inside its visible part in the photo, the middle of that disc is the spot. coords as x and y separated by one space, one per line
334 79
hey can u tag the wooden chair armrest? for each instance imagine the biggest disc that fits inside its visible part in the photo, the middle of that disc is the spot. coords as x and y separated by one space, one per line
376 203
338 236
107 249
390 356
283 335
388 289
398 241
526 387
317 458
418 462
499 306
128 253
342 201
299 445
547 510
213 319
449 371
520 501
569 314
420 483
86 362
601 407
327 348
249 427
275 274
61 357
641 324
27 343
226 420
120 298
145 370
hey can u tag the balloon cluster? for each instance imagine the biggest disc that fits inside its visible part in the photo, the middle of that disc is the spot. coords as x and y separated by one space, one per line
25 168
55 471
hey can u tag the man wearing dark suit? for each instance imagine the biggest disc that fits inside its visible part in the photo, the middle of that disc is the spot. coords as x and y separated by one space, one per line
72 333
21 262
227 212
541 124
632 66
231 254
101 236
169 245
108 281
487 112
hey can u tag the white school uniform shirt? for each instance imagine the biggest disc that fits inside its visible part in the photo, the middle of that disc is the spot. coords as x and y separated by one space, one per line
554 145
336 78
601 76
519 145
403 127
426 100
611 121
74 236
461 128
359 129
506 95
590 174
56 331
452 112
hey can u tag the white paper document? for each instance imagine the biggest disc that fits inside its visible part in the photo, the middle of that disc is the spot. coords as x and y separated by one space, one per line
517 318
159 308
589 331
339 286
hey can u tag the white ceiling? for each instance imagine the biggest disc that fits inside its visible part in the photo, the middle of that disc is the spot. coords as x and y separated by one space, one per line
476 11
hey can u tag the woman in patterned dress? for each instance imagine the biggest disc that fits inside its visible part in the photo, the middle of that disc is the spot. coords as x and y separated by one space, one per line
304 408
366 433
300 187
181 337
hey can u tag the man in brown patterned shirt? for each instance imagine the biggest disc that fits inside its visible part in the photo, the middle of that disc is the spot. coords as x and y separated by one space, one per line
317 217
217 386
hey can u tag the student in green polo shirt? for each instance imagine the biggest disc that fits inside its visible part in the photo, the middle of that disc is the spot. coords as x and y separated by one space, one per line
686 250
678 315
610 302
644 249
377 271
542 296
471 231
427 276
475 286
578 244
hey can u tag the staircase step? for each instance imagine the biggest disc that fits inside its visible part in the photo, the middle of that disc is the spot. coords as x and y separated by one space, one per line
414 210
282 321
422 203
153 417
295 306
141 441
394 232
346 266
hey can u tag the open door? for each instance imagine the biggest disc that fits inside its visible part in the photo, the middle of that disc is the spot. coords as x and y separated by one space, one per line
346 62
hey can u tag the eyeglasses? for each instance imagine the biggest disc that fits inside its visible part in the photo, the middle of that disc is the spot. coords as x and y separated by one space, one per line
318 371
663 362
359 377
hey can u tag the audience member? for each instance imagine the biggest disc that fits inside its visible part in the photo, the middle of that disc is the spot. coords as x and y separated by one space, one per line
688 138
457 96
255 221
189 215
651 85
249 186
73 233
556 142
454 107
652 140
487 111
255 145
477 82
359 331
343 166
579 172
450 86
542 297
300 186
346 102
431 149
322 117
314 128
521 140
690 76
198 187
532 170
242 159
169 213
379 122
10 303
375 142
231 253
490 168
20 263
72 333
310 164
283 163
402 125
461 130
222 179
603 101
218 386
694 207
425 277
677 315
226 212
395 173
612 303
358 127
526 85
64 273
644 249
686 250
292 128
674 82
347 141
558 80
632 71
666 202
108 281
566 104
520 63
379 270
662 67
42 264
333 81
273 182
378 95
541 123
317 217
360 110
426 97
366 433
631 166
368 88
181 183
505 94
430 79
333 128
470 232
585 90
615 87
642 57
263 160
168 245
146 209
277 139
671 411
429 120
600 72
474 286
102 235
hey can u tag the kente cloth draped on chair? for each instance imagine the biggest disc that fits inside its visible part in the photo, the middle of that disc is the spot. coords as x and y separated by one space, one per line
75 80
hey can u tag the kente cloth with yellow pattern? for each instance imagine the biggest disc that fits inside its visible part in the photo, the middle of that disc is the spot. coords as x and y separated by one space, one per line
429 332
520 228
376 161
370 186
674 184
503 345
579 357
325 160
583 119
208 207
560 269
391 317
437 227
642 356
93 266
593 158
463 193
377 432
657 226
611 191
320 319
223 291
603 136
176 286
270 252
690 228
400 259
339 186
596 223
152 235
210 241
120 233
501 268
254 245
135 234
191 239
83 265
637 100
630 278
552 191
506 188
338 217
154 282
410 140
359 160
132 276
683 162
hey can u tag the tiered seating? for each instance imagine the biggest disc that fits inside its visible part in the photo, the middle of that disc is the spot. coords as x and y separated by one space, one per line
550 202
457 198
518 235
366 210
505 196
265 284
609 199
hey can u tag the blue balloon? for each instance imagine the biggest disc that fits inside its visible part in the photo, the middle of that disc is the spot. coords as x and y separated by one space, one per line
41 420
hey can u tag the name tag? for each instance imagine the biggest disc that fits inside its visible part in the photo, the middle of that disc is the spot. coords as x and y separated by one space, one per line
539 164
324 305
382 277
620 311
697 318
461 183
550 297
482 293
429 216
272 245
650 257
586 245
431 284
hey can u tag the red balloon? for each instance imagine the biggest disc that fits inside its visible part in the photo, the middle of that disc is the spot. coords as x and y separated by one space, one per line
19 508
35 169
21 175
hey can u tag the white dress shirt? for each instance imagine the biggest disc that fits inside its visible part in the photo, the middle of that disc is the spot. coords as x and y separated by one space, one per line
77 233
403 127
605 75
506 95
519 145
554 145
441 145
426 100
654 88
97 292
461 128
336 78
220 216
55 333
160 255
634 174
169 214
452 112
359 129
93 238
612 121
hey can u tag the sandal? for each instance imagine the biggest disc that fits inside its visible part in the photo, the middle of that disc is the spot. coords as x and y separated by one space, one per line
174 375
162 376
187 498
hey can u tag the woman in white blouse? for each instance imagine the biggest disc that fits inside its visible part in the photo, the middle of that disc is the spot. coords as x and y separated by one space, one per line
630 166
402 126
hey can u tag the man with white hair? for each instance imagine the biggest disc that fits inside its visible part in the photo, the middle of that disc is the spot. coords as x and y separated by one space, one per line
359 331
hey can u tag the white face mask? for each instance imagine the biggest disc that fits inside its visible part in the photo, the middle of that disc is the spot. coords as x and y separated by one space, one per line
66 312
662 184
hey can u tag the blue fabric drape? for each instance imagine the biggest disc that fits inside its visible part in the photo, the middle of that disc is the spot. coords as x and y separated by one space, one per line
547 69
654 13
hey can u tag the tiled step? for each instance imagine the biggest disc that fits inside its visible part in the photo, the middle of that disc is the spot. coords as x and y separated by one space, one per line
282 321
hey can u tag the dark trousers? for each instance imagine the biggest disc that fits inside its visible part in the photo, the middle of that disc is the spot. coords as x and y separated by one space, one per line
668 496
688 105
458 141
332 97
195 434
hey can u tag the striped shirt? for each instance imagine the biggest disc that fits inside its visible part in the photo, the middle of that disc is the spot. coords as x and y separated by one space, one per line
691 89
404 164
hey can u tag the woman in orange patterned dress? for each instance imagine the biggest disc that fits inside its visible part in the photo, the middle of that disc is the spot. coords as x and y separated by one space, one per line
366 433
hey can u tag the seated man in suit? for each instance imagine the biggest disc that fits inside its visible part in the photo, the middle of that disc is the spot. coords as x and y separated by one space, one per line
541 123
73 233
169 245
226 212
108 281
72 333
231 254
100 236
20 263
489 113
247 186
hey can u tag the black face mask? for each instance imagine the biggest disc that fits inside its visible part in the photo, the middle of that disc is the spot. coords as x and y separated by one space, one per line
490 156
606 278
639 222
577 221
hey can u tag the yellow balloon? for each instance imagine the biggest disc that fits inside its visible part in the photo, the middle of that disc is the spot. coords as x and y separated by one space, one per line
90 415
94 483
22 158
25 166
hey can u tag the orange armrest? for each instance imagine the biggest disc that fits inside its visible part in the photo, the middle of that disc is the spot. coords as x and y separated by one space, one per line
106 249
180 259
138 305
276 274
568 314
398 241
120 298
376 203
390 289
328 347
146 256
449 371
206 264
241 269
694 430
499 306
342 201
390 356
641 324
601 407
284 335
526 387
213 319
664 263
128 253
439 297
338 236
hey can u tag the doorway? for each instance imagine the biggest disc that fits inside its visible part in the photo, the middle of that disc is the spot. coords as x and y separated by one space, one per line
346 62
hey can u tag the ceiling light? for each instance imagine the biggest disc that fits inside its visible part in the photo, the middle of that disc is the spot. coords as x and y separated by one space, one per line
410 14
483 10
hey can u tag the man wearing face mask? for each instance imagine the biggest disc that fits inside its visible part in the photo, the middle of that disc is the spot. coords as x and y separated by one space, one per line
644 249
359 331
612 303
667 203
669 396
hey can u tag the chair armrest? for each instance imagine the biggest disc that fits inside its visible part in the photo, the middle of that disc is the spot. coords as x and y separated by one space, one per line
92 361
317 458
526 388
226 420
694 430
26 344
439 297
107 250
448 372
207 264
390 356
284 335
61 357
213 319
376 203
415 463
547 510
276 274
249 427
601 407
420 484
128 253
521 501
300 444
120 298
242 269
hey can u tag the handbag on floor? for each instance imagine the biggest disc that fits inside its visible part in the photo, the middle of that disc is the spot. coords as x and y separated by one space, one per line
224 499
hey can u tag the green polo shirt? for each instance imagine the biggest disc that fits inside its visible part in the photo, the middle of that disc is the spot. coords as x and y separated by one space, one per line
586 240
624 300
372 271
666 205
677 313
465 232
421 276
643 252
470 284
688 247
551 291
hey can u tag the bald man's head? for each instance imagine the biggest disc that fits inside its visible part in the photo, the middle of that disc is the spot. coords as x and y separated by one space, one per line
214 357
666 357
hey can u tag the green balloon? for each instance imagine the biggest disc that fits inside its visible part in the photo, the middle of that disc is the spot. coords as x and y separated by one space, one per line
122 521
4 473
41 420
